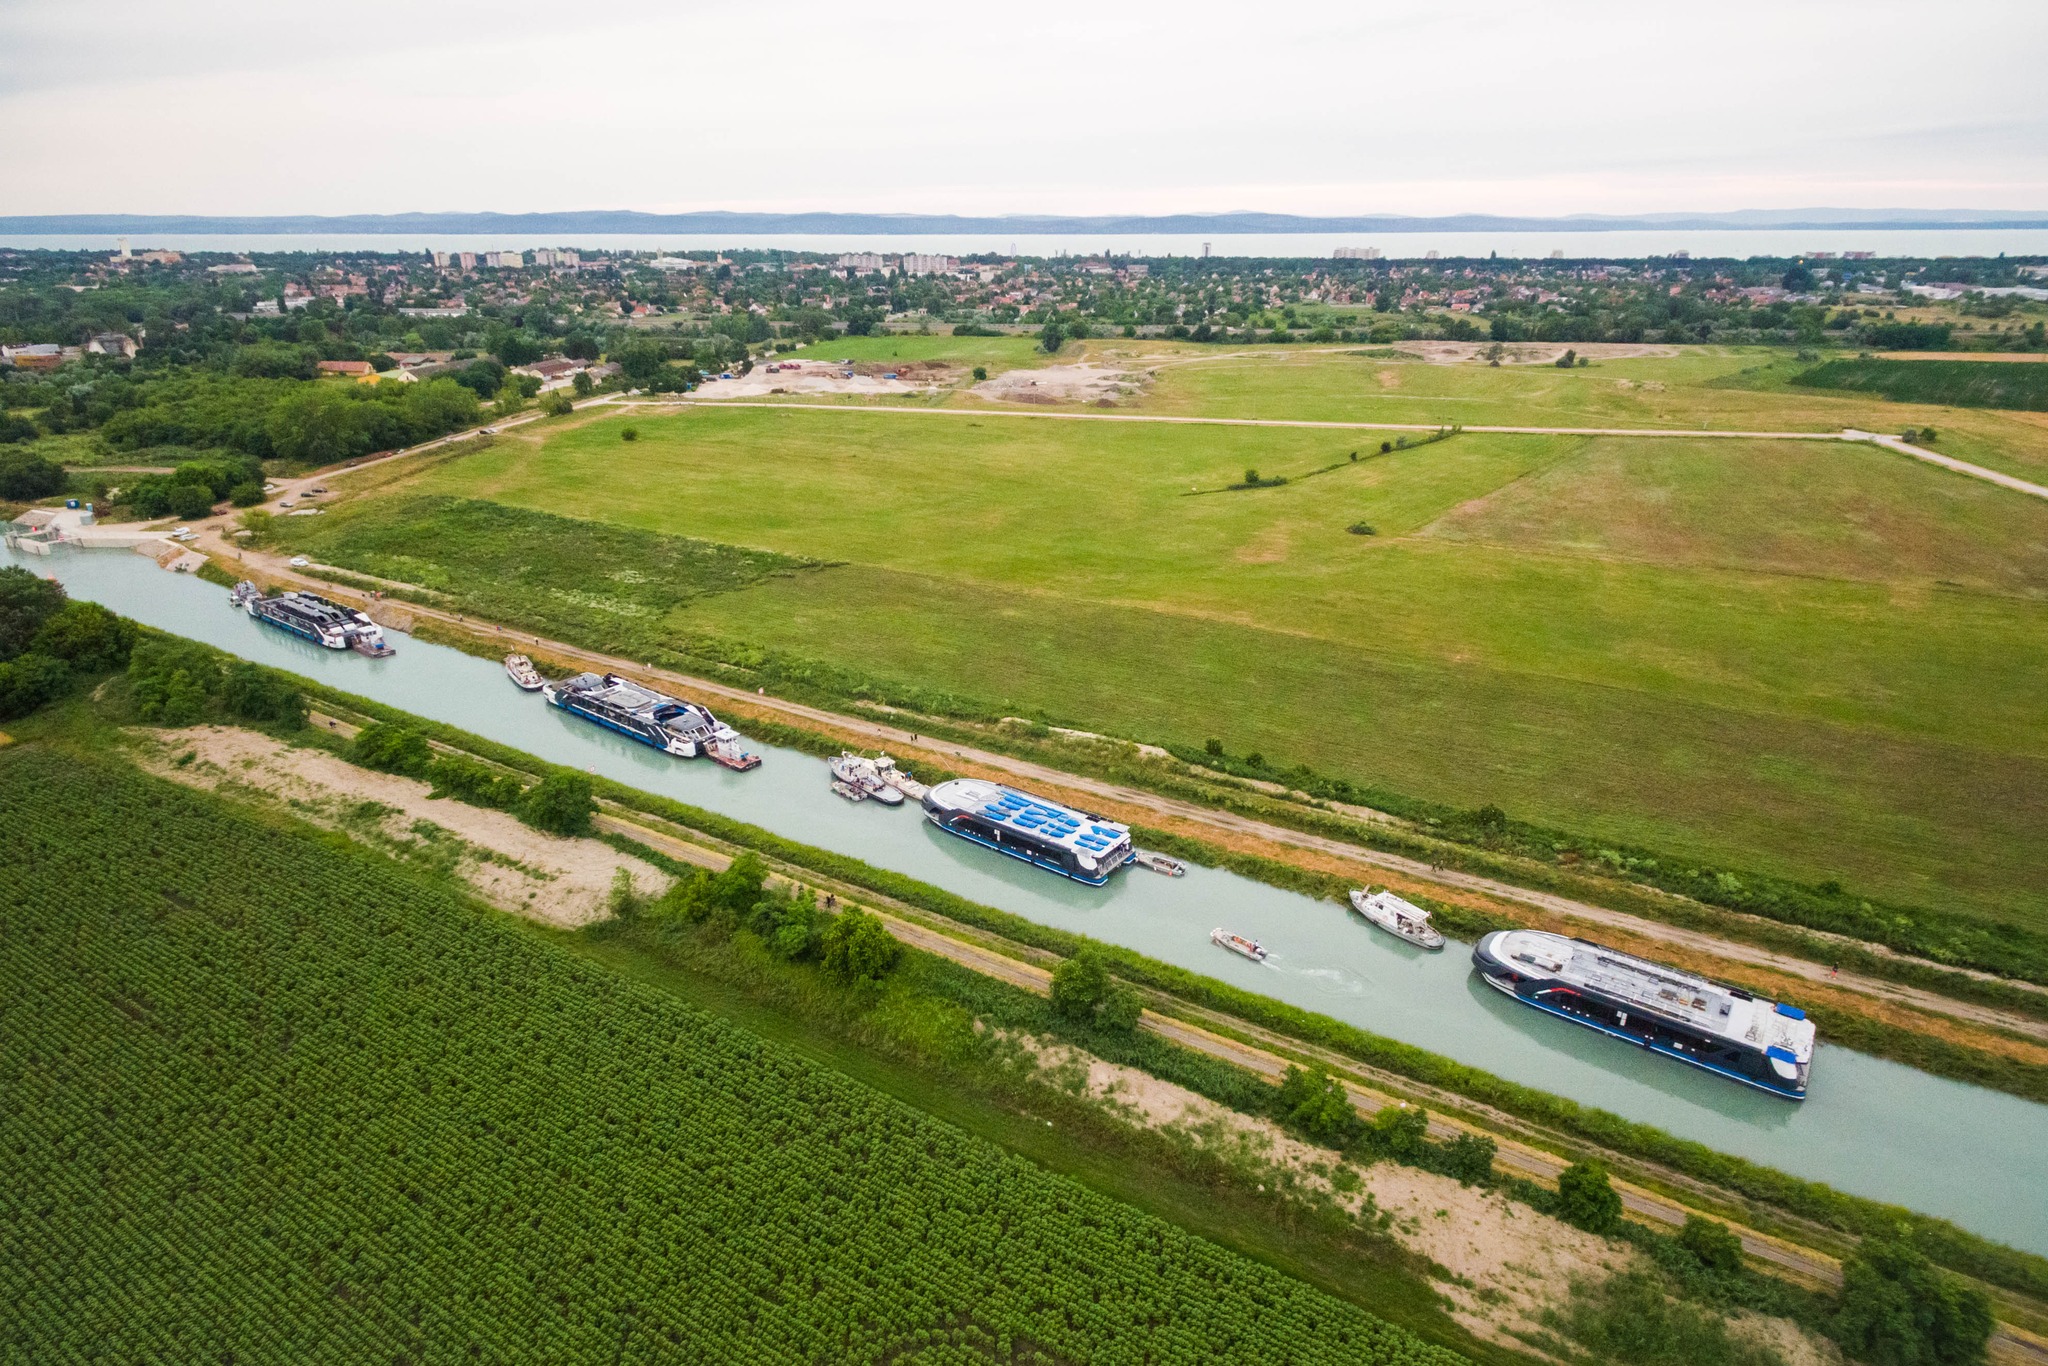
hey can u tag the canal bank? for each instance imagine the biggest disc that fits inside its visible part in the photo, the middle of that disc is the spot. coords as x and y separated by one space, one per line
1871 1128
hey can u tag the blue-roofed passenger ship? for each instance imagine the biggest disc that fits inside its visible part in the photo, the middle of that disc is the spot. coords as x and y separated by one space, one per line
1057 838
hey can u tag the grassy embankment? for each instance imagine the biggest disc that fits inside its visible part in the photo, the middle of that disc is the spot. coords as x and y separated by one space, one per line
1962 384
1778 657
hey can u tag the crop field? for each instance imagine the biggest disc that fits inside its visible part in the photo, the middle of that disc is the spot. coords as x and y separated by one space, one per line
271 1100
1812 659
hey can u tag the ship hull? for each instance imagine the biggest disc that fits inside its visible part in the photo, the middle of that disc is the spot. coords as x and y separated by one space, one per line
1653 1033
1025 854
681 749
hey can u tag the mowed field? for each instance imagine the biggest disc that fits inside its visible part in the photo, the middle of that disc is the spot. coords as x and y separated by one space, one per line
1813 659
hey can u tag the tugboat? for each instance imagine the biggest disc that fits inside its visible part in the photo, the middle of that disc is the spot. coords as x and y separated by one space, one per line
1057 838
1238 944
1721 1029
683 729
312 617
1399 918
521 671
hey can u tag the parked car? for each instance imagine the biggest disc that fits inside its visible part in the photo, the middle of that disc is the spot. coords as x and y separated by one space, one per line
299 562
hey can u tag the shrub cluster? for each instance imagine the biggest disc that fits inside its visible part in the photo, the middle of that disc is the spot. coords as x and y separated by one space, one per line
48 642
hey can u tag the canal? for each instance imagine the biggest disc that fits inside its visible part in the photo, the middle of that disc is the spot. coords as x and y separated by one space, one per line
1870 1127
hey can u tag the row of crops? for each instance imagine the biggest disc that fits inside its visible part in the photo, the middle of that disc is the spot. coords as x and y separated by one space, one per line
268 1099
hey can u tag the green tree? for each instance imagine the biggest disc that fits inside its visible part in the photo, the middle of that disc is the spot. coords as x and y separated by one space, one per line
24 477
254 693
1052 337
316 426
1400 1132
1711 1243
561 804
582 384
26 602
392 748
1897 1309
1469 1158
980 373
172 679
858 949
28 681
1314 1102
1079 986
87 636
189 501
1120 1009
1587 1199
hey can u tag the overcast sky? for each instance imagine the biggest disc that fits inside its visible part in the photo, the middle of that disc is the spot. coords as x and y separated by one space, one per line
1334 106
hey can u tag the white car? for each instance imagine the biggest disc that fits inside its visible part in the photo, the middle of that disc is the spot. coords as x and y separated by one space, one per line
299 562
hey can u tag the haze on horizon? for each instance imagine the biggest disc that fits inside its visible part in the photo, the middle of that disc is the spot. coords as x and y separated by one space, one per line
1393 106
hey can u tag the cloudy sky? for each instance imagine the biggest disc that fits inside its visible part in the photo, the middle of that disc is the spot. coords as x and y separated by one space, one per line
1332 106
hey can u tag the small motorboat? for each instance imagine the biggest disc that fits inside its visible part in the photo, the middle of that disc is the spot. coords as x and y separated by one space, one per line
1238 944
1159 863
859 771
900 779
521 671
841 788
1397 917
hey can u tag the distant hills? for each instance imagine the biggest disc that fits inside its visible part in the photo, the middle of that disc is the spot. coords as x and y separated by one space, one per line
629 221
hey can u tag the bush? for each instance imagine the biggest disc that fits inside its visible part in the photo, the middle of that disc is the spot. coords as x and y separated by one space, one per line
1631 1319
173 680
29 680
857 949
251 692
980 372
557 404
1314 1103
246 495
1400 1132
466 780
26 603
560 804
24 476
1586 1198
188 501
392 748
1079 986
1896 1309
792 927
87 636
1469 1158
629 434
1711 1244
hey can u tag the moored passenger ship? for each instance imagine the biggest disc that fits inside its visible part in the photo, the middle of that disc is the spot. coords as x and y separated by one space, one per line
1068 842
1719 1028
683 729
312 617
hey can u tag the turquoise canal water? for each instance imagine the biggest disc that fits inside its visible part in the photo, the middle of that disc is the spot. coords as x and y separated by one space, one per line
1869 1126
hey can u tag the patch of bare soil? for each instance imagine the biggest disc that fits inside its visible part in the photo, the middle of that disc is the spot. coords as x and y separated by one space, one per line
1530 353
813 377
565 882
1507 1263
1082 382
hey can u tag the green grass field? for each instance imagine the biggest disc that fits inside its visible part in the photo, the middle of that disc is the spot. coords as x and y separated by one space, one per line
1968 384
1812 659
270 1099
